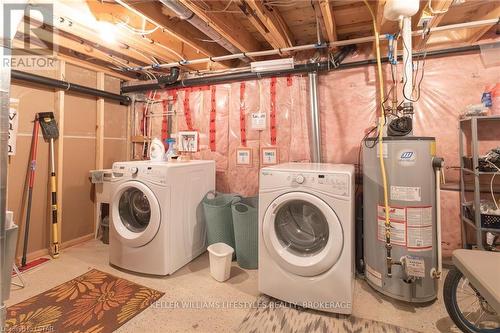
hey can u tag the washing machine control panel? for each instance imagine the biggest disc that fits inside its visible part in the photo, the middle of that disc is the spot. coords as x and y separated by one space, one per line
144 172
336 183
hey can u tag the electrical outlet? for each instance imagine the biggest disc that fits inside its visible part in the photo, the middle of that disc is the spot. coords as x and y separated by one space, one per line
425 19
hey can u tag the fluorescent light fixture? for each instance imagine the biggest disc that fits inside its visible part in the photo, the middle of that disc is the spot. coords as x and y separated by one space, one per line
272 65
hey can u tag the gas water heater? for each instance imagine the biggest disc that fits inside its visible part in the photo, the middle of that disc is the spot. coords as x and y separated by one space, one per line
411 270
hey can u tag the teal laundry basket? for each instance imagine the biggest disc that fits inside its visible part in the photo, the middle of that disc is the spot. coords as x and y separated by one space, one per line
246 231
218 216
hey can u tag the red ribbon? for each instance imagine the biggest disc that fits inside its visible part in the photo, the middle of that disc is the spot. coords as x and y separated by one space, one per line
213 114
243 129
187 111
164 123
273 111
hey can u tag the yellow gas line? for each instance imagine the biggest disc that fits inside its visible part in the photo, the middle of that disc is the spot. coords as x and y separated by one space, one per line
380 143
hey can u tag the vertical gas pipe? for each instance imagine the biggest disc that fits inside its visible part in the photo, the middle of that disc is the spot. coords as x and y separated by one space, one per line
314 119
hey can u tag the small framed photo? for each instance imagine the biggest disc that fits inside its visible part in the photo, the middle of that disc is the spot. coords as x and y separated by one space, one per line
269 155
244 156
187 141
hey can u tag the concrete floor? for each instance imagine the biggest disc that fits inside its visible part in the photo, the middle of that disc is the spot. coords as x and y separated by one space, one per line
194 285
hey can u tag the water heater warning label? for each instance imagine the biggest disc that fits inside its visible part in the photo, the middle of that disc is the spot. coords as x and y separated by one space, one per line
398 232
406 193
411 227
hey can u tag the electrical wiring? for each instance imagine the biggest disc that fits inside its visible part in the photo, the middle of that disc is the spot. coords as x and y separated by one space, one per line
225 10
491 183
416 87
128 27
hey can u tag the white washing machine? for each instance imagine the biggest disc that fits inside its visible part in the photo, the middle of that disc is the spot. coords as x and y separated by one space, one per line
157 224
306 235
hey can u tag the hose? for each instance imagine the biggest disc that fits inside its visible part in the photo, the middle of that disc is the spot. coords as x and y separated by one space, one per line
381 125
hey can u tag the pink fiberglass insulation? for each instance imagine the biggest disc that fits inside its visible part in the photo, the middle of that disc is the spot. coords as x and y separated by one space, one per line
348 109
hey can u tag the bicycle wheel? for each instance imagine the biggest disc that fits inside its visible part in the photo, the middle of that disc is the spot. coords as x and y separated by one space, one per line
466 307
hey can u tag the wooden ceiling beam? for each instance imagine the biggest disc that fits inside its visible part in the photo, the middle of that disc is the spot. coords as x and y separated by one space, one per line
227 25
159 42
268 22
118 56
437 6
178 28
379 15
328 20
476 36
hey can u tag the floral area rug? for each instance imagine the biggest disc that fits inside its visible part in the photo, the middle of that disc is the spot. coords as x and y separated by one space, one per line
94 302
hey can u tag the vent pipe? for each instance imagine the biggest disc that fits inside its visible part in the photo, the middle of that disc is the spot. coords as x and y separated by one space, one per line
186 14
314 119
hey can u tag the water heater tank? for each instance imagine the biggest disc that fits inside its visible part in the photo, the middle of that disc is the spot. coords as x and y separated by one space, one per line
395 9
412 211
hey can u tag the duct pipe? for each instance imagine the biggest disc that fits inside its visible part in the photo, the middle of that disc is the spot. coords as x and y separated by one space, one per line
299 69
244 76
314 119
58 84
186 14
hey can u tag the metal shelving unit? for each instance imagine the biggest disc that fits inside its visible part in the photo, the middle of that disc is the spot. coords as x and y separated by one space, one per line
474 144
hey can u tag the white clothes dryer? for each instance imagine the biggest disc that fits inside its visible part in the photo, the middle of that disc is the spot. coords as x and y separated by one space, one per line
306 235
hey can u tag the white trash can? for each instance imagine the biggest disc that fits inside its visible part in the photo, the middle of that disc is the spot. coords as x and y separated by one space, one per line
220 255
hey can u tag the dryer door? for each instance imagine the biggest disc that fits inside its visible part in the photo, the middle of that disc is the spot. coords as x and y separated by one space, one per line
302 234
135 214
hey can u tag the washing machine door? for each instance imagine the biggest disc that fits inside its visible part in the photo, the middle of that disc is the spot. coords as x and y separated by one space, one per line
302 234
135 214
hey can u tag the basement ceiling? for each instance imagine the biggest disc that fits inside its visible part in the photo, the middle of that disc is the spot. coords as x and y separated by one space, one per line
152 32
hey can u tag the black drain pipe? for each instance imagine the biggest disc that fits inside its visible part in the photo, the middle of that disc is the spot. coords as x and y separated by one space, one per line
299 69
243 76
160 83
58 84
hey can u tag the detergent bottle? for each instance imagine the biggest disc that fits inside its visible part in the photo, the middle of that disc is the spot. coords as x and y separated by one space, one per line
171 153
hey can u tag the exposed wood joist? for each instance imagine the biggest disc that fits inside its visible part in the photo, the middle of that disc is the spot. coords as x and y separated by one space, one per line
268 22
479 33
178 28
227 25
328 20
379 15
438 6
62 39
160 42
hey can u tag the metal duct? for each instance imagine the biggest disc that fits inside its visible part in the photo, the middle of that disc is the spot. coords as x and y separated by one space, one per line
186 14
314 119
28 77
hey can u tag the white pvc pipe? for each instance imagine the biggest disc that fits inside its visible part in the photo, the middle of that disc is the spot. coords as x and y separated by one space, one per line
438 224
407 60
353 41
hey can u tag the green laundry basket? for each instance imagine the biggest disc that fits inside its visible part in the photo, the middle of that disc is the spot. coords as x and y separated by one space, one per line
217 209
246 231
